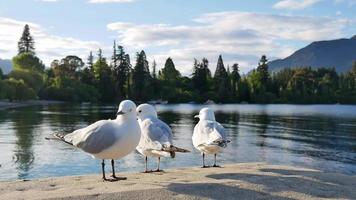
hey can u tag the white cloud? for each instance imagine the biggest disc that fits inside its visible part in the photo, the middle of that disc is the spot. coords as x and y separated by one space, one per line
239 36
294 4
110 1
48 46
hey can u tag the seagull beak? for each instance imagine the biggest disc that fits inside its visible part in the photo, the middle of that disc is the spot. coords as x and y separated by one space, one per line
196 116
120 113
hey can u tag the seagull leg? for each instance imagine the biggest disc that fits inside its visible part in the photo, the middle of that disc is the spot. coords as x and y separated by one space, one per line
204 166
113 169
146 170
215 165
159 161
116 178
103 170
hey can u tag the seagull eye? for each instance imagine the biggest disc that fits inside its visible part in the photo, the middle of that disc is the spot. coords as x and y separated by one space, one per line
140 111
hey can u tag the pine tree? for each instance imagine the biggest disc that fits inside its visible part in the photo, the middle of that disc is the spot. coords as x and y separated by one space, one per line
97 67
90 61
235 78
200 78
228 70
100 55
114 57
353 70
121 66
263 69
169 71
26 43
221 81
141 78
154 66
103 75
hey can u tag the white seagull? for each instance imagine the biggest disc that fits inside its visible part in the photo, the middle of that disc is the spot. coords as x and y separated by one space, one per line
209 136
156 136
108 139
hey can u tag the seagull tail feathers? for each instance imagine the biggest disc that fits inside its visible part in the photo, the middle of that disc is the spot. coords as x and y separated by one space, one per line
221 143
60 136
173 149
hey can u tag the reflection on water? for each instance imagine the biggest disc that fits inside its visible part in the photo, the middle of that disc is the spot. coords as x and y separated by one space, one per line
24 126
321 137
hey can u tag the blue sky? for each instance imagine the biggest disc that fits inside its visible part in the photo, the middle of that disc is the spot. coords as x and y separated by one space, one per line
239 30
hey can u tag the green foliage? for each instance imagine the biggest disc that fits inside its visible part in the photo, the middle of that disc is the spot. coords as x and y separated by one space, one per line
104 79
263 70
66 80
154 69
169 71
68 66
1 74
141 78
26 43
69 80
90 61
27 61
201 79
235 79
2 89
66 89
222 82
16 90
32 79
121 70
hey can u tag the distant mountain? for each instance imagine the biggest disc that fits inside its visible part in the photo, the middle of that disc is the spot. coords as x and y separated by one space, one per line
338 53
5 65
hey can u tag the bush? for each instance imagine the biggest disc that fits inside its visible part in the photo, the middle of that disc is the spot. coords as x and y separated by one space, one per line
27 61
65 89
17 90
32 79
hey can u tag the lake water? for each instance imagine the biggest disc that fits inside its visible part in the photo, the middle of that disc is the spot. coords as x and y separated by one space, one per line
316 136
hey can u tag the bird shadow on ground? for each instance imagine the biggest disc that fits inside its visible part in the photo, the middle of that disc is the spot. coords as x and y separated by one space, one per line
312 183
219 191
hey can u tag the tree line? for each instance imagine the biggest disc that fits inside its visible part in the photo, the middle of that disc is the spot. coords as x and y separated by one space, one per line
100 79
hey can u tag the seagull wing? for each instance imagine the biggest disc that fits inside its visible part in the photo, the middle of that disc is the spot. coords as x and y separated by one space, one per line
209 132
94 138
158 131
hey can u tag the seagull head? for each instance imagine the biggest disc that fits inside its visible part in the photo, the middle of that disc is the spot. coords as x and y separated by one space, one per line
145 111
127 108
206 114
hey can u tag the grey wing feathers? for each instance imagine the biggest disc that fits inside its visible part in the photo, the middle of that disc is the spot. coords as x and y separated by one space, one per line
216 133
159 131
221 130
95 138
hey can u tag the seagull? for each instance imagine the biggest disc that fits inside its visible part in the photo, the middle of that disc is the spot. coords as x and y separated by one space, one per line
156 137
108 139
209 136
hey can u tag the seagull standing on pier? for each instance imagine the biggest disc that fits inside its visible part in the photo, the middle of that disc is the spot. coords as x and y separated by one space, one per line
108 139
156 137
209 136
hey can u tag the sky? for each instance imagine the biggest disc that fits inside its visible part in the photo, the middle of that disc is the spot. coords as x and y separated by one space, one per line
241 31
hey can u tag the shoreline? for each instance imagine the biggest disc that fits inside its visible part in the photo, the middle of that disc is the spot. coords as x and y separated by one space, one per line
4 105
234 181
